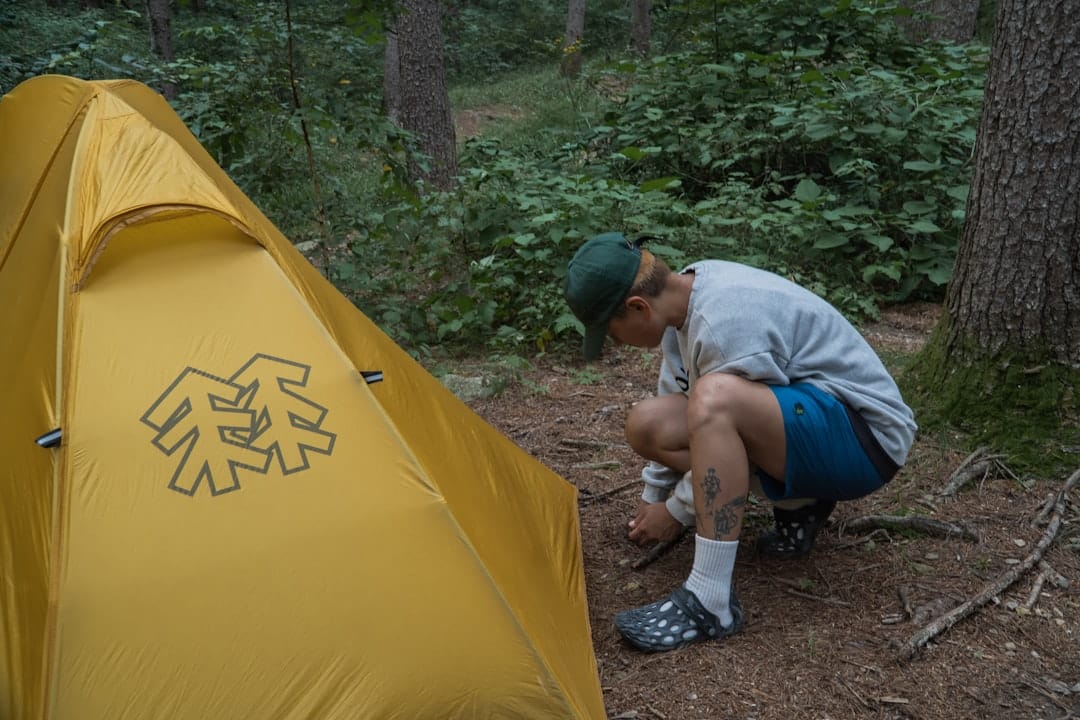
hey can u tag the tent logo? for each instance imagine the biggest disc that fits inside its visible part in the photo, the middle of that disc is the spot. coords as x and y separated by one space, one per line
251 421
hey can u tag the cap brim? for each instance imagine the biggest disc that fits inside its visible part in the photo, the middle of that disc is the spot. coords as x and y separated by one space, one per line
594 341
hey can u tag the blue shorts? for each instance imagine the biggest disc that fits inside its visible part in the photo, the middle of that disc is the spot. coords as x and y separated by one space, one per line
825 458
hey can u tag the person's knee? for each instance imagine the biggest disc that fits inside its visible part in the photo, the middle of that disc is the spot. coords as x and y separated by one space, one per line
716 400
654 422
643 424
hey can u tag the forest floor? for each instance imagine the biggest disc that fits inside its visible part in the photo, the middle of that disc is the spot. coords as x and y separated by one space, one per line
823 634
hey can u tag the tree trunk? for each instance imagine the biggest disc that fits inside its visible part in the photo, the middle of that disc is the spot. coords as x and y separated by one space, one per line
391 99
575 30
1017 277
160 27
425 100
1008 346
954 20
640 26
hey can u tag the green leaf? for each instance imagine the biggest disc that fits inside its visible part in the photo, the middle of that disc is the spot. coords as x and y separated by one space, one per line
923 226
830 240
663 183
820 131
881 242
807 190
959 192
919 207
634 153
922 166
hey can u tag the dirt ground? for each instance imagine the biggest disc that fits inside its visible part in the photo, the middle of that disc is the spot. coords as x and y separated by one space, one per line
823 634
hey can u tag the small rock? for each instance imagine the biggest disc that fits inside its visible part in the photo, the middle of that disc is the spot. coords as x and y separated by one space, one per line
1010 646
922 568
931 556
1019 543
691 696
1056 686
1012 561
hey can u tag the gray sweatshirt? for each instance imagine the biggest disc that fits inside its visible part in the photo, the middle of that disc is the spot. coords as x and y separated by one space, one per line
759 326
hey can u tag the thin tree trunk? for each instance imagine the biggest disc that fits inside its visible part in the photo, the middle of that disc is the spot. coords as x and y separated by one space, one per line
391 99
575 31
1017 277
640 26
161 44
425 100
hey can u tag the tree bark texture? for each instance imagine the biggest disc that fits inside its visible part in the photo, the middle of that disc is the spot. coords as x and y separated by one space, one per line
575 31
640 26
425 100
159 20
1017 277
954 20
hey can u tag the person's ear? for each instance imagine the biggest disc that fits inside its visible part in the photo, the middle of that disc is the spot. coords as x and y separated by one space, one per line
636 303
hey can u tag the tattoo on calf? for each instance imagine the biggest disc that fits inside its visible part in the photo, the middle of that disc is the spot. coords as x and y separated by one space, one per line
710 486
727 517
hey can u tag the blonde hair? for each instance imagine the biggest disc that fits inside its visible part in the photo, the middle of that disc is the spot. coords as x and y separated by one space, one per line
652 276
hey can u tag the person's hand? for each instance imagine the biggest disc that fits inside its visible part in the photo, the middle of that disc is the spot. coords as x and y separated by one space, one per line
653 523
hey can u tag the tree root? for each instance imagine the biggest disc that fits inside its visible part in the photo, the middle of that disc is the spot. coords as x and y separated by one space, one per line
998 586
918 523
977 464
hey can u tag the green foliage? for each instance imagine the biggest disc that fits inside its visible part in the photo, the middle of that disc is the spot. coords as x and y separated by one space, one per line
849 171
801 136
486 38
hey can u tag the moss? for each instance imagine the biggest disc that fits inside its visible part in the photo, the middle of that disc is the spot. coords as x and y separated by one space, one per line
1017 401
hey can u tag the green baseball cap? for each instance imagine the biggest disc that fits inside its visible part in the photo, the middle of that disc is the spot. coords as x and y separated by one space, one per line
597 281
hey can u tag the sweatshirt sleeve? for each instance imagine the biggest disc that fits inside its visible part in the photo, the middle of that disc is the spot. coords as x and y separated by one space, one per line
659 480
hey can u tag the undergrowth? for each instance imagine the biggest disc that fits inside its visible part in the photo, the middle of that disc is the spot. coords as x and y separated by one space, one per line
805 137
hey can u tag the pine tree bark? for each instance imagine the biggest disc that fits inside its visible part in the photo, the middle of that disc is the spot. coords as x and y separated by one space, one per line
1017 277
575 31
640 26
425 99
953 20
159 20
1003 364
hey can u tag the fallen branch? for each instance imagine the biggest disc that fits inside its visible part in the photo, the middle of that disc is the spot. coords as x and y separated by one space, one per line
1044 510
976 464
918 523
657 550
591 498
1003 582
1036 588
585 444
603 465
796 588
824 600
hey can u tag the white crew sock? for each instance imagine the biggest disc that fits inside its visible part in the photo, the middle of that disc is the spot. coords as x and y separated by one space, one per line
710 578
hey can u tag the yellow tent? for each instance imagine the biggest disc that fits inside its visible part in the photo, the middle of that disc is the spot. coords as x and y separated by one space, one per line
237 522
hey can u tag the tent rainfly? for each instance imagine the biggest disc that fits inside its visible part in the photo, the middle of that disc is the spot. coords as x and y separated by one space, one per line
224 515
